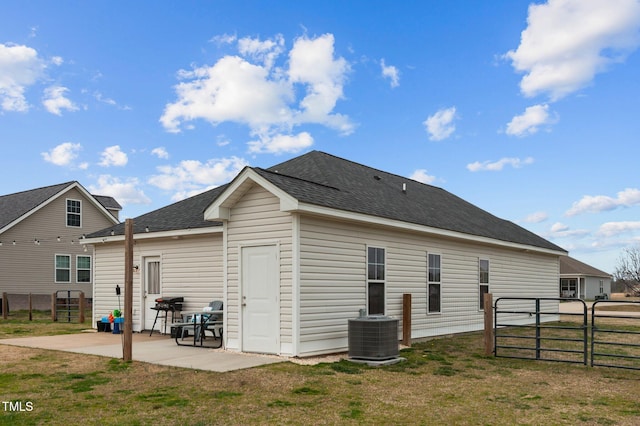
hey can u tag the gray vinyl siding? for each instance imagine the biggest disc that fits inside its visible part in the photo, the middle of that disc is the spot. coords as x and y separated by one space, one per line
190 267
333 280
592 287
30 268
256 218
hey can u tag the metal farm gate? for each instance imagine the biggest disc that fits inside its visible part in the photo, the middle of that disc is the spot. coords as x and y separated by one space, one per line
615 336
531 328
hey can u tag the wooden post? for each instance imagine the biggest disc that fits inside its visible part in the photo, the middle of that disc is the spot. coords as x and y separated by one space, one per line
81 307
5 306
488 324
53 306
127 349
406 319
30 308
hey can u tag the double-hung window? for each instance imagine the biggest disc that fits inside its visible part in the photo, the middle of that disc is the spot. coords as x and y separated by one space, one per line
63 268
375 280
434 283
83 269
74 213
483 279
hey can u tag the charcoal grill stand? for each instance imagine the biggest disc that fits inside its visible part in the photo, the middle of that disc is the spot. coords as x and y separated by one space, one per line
165 306
166 311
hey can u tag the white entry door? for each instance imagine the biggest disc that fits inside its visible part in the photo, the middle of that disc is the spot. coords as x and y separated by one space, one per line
260 299
152 290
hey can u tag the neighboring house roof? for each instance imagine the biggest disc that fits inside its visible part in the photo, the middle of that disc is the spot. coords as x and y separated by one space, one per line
17 206
573 267
321 179
109 203
185 214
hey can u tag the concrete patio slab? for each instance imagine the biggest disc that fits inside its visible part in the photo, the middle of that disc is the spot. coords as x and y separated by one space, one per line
160 350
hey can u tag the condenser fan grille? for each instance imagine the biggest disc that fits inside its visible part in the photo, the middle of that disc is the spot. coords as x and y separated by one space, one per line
373 337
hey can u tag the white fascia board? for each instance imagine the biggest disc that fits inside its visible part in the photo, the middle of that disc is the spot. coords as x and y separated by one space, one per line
219 209
360 217
151 235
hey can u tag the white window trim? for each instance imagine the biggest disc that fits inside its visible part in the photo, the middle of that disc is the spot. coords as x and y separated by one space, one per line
367 280
55 269
90 269
66 213
434 282
480 284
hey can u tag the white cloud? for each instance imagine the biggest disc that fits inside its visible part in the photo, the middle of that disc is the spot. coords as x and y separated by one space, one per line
250 89
529 122
63 154
55 100
265 51
312 63
560 230
231 90
20 67
224 39
440 125
190 177
495 166
160 152
279 144
113 156
125 192
610 229
421 176
536 217
390 72
567 42
598 203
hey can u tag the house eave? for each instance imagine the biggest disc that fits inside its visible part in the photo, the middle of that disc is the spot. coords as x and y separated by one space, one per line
412 227
178 233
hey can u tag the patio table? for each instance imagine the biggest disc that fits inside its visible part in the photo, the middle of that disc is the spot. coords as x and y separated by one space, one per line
200 322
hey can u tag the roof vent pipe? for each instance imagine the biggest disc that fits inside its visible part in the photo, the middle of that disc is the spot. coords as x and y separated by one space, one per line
404 188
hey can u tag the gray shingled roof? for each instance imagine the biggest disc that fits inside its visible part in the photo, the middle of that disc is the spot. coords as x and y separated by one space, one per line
185 214
14 206
107 202
325 180
571 266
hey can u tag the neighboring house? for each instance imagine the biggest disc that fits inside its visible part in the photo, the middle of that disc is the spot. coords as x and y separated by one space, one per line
577 279
40 230
296 250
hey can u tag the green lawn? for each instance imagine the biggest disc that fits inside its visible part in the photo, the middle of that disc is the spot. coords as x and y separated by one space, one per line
444 381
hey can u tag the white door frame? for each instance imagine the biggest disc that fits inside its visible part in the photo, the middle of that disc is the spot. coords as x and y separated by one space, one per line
241 296
143 286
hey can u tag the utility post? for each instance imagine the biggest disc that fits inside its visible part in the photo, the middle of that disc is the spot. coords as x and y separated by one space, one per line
127 349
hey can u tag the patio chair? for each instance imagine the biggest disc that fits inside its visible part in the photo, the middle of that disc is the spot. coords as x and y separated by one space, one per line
214 321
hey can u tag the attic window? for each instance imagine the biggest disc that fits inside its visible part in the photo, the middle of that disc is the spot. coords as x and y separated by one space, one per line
74 213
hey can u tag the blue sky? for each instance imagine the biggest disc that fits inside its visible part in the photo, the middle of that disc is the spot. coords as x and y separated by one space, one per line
527 109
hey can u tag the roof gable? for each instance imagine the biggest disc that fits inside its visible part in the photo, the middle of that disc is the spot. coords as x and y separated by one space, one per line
18 206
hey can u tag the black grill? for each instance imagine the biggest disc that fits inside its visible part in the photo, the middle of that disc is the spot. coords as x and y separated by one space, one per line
169 304
166 304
